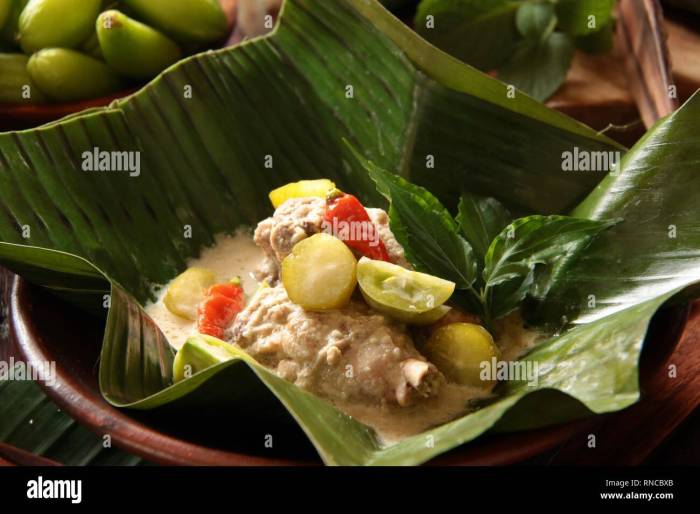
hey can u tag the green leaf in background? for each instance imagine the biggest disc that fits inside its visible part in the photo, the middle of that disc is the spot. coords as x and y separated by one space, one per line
581 17
509 270
415 110
32 422
598 42
518 38
539 67
479 32
535 20
481 219
426 230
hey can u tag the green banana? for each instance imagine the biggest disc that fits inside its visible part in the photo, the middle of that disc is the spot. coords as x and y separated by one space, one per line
133 49
9 31
56 23
66 75
186 21
15 84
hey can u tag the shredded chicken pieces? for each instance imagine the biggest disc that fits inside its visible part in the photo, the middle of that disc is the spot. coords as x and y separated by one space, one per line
349 354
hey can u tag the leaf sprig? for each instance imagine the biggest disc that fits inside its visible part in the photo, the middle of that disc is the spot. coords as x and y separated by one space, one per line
494 260
530 43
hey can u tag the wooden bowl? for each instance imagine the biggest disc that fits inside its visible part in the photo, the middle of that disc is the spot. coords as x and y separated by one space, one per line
43 328
20 116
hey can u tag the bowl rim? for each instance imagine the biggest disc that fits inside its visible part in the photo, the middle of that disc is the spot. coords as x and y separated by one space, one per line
90 409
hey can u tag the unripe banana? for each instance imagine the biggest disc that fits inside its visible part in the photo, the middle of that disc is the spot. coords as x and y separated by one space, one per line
66 75
15 84
133 49
56 23
186 21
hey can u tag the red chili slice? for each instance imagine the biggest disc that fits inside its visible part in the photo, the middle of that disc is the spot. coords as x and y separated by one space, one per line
348 210
219 308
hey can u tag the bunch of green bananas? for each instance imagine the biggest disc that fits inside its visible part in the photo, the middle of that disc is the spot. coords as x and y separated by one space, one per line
69 50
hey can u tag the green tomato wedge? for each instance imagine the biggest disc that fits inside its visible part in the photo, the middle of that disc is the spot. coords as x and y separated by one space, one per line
185 293
320 273
319 188
459 349
199 353
408 296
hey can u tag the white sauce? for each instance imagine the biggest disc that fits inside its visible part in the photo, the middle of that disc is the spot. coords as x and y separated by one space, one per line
231 256
392 423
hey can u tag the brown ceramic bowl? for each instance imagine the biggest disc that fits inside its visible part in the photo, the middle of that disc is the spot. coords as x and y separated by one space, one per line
18 117
44 328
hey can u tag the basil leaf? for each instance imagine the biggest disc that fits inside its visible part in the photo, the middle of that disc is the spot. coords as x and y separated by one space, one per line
481 219
581 17
524 245
426 230
535 20
479 32
539 67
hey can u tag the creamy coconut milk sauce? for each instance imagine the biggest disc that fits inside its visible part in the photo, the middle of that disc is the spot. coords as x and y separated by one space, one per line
231 256
238 255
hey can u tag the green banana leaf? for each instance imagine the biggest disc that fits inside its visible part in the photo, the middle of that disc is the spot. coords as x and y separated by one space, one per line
331 72
32 422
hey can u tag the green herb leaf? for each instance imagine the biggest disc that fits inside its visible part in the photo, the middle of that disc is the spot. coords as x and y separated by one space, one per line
479 32
481 219
539 67
581 17
426 230
512 258
535 20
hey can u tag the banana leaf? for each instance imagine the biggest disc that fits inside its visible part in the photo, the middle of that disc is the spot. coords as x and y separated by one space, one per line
333 72
32 422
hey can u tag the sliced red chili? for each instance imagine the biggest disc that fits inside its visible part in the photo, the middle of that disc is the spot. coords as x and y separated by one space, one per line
219 308
351 223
